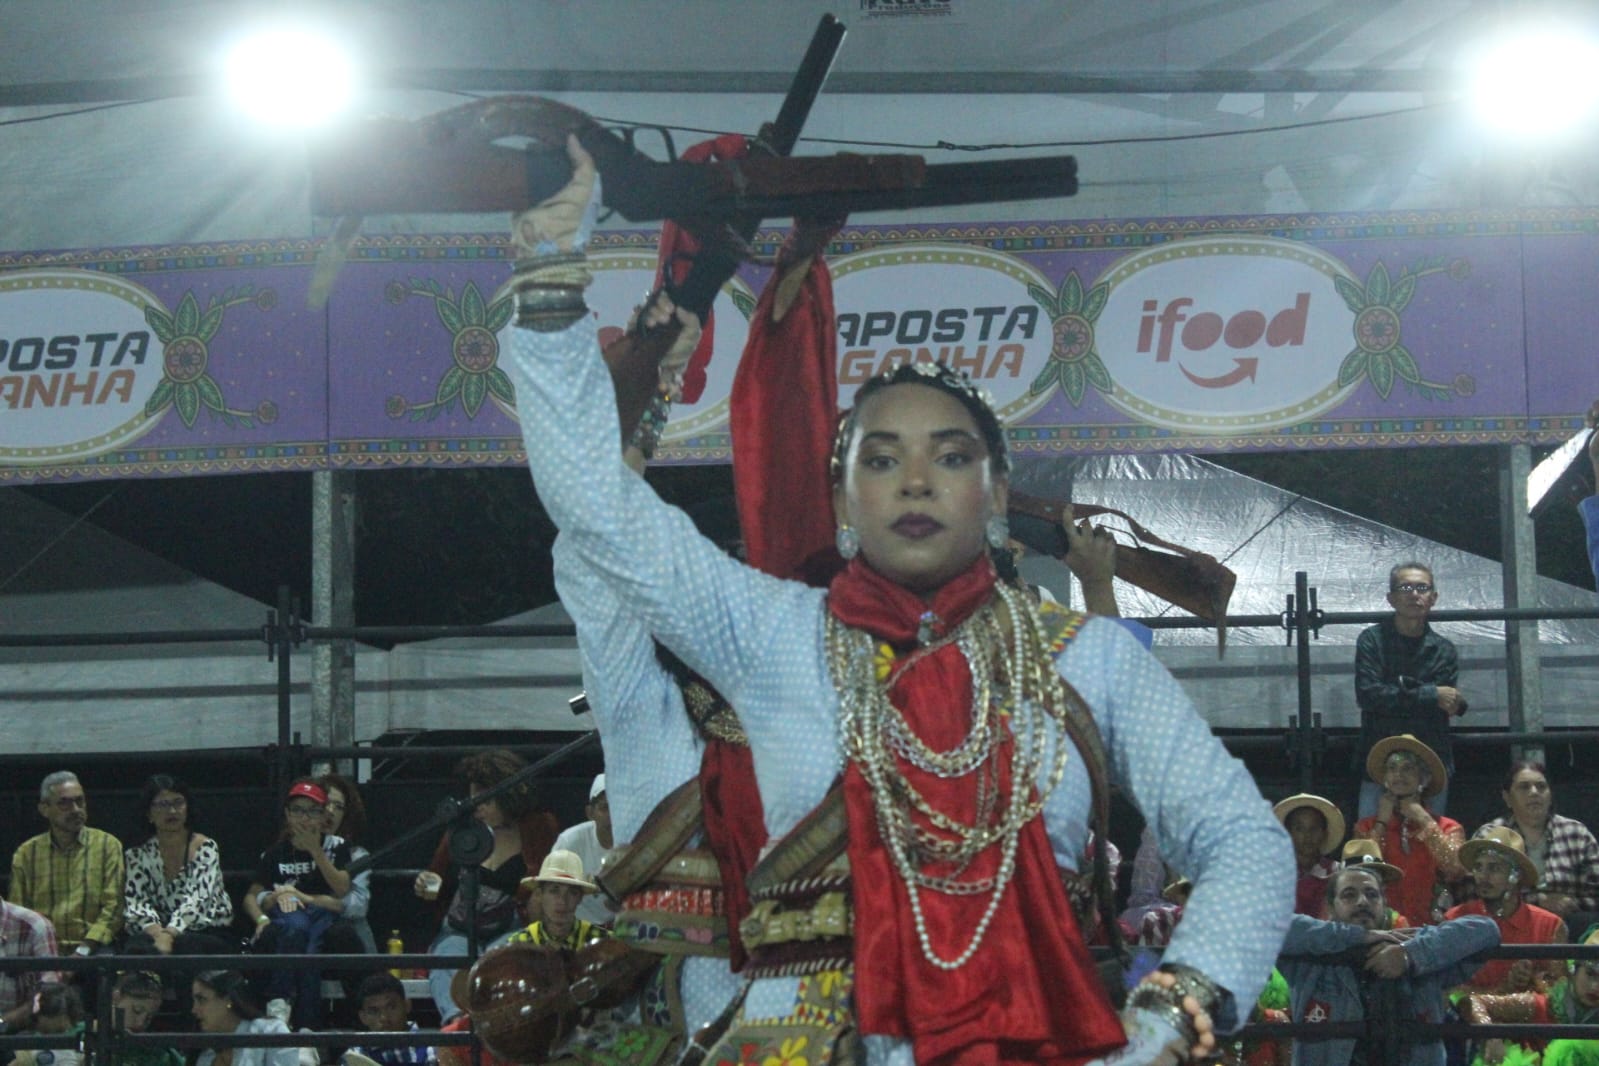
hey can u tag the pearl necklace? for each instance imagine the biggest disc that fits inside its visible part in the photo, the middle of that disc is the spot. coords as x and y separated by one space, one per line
876 734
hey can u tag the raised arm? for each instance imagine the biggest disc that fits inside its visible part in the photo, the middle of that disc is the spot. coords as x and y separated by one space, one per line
650 745
718 615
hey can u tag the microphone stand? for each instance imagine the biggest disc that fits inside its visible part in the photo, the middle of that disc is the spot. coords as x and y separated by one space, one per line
470 840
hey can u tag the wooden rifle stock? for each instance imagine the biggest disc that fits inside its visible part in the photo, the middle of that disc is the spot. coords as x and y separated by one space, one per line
1189 579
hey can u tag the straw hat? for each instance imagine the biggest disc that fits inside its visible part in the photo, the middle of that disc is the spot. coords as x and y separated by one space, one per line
561 868
1504 841
1366 855
1334 819
1378 760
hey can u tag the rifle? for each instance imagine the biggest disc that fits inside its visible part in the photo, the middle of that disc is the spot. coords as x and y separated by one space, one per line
1181 576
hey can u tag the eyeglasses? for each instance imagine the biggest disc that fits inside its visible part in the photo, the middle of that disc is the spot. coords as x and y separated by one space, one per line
304 810
169 805
1421 587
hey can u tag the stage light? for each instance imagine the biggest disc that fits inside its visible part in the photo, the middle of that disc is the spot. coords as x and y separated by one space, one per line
1537 82
289 77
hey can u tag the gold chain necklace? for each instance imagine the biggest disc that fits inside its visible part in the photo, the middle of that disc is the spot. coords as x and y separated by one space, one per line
876 735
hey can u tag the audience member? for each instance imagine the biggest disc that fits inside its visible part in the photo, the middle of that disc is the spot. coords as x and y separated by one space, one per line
1426 849
298 890
135 1001
1155 896
1348 969
522 837
1571 1000
344 816
1499 866
384 1009
1562 849
1316 828
176 902
1405 677
224 1002
1365 855
559 887
23 934
591 840
58 1011
72 874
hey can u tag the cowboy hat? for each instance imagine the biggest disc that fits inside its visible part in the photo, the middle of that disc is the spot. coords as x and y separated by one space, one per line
561 868
1504 841
1366 855
1377 761
1330 813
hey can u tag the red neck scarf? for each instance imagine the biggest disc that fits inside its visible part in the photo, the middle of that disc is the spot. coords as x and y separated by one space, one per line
1030 993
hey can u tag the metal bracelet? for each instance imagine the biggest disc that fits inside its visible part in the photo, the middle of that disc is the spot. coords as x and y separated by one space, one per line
651 424
1190 982
1165 1004
549 308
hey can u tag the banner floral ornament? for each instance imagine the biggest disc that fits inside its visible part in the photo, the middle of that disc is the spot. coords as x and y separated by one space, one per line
186 382
1073 361
475 349
1378 356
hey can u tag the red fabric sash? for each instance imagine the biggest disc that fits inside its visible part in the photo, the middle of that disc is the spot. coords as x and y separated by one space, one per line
735 829
782 413
676 253
1030 993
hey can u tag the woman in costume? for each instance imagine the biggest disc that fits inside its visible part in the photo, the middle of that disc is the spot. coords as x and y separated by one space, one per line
932 689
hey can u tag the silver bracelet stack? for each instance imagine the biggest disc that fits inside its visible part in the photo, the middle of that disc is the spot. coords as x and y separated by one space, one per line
1167 1003
549 291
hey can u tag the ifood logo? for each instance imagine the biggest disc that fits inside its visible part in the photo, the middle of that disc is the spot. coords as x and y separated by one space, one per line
1225 334
78 363
966 307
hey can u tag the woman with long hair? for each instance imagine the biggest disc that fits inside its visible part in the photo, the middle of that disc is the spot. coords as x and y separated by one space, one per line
523 835
344 817
175 899
224 1002
975 731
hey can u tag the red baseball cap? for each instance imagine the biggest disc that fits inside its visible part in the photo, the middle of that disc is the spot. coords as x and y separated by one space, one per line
310 792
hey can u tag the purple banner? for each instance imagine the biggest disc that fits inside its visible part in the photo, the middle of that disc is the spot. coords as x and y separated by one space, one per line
1191 335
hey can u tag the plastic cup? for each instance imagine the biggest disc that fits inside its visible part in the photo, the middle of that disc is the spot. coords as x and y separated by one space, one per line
431 883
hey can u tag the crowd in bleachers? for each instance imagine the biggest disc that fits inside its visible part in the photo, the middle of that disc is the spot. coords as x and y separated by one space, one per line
1395 905
1528 876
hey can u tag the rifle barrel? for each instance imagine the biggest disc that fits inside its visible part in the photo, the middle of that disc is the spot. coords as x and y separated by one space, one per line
783 133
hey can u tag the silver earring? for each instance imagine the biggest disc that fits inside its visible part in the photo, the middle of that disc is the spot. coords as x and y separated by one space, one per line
848 542
998 531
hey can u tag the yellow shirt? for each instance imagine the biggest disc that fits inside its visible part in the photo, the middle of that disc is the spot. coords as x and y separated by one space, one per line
79 890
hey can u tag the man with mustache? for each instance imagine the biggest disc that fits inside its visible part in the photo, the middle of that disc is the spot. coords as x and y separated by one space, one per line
1350 969
73 875
1497 861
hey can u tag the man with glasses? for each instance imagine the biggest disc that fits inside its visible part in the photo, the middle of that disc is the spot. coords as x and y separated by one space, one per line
1405 678
72 874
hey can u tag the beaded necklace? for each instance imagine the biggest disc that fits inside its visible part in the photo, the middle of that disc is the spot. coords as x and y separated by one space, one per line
876 735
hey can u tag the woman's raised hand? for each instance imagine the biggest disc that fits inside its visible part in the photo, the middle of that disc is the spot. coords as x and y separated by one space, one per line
564 221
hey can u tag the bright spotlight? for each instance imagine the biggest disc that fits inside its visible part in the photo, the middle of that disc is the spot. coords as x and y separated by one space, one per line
289 77
1537 82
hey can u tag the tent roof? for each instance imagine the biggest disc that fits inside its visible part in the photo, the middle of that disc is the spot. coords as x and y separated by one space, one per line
178 166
